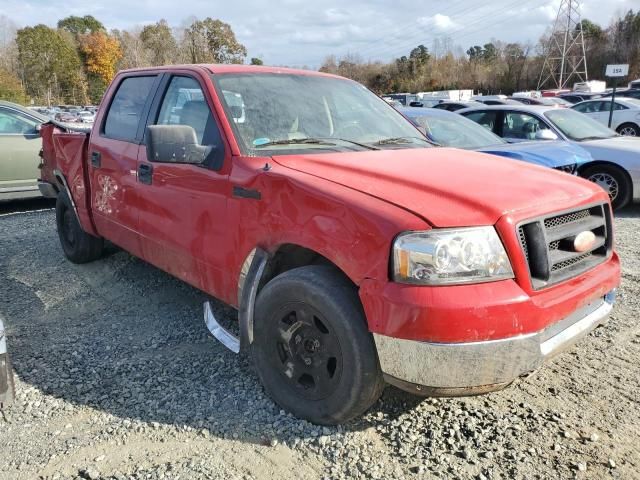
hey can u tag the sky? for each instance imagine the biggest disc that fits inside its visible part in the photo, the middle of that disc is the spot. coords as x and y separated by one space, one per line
302 33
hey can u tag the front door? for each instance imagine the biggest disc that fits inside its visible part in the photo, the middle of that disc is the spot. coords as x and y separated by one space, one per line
113 162
19 146
182 207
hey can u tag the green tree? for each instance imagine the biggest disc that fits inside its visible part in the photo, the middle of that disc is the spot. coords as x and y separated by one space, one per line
160 42
212 41
10 87
80 25
51 65
256 61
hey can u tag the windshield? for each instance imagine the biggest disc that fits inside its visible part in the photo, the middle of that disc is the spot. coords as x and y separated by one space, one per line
577 126
455 131
288 113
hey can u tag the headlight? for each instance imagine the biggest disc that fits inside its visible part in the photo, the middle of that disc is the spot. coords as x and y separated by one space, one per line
449 256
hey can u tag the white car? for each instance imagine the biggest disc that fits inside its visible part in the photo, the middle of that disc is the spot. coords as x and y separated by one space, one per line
626 113
86 116
615 159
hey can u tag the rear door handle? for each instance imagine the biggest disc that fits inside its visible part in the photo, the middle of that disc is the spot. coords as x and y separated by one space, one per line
145 173
96 159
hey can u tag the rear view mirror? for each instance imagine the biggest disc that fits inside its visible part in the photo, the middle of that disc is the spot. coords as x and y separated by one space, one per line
545 134
175 144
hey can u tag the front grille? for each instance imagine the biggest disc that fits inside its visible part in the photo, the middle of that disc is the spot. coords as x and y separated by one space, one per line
548 244
567 168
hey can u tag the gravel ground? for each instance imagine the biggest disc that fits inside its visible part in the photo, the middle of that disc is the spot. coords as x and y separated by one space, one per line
118 378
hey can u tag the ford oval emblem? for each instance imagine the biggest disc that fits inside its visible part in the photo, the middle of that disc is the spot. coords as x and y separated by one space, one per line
584 241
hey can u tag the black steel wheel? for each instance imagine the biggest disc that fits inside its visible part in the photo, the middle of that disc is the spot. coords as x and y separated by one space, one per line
78 245
312 348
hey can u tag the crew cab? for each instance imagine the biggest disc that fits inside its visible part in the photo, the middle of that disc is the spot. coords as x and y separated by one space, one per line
356 253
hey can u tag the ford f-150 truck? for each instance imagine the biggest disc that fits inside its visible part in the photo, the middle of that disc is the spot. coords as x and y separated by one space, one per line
356 253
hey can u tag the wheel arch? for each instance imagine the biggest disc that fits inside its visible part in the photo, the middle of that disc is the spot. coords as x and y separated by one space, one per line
607 163
260 266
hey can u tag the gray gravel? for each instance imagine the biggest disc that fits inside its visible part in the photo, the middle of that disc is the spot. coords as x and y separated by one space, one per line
118 378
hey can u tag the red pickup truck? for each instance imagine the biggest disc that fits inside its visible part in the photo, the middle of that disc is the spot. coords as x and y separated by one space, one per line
356 253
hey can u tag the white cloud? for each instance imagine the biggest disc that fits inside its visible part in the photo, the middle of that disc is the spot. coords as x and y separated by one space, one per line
438 21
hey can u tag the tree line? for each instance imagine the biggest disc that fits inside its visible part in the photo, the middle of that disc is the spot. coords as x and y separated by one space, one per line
74 63
496 67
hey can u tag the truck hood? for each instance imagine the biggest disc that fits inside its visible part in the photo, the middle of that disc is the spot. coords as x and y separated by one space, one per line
547 154
446 187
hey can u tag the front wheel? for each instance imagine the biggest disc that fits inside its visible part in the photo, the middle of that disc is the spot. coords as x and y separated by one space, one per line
312 349
78 245
629 129
613 180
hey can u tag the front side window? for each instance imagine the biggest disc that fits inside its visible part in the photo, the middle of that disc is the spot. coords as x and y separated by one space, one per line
126 108
485 118
13 123
184 104
288 113
521 126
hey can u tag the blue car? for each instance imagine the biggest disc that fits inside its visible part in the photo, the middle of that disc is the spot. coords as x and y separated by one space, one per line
451 130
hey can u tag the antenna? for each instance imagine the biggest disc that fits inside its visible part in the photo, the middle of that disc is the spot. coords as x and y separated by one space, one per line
564 53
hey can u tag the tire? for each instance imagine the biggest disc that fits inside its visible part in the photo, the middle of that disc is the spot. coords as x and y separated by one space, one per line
629 129
312 348
613 180
78 245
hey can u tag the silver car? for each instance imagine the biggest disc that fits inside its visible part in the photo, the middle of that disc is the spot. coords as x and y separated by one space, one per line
615 159
6 373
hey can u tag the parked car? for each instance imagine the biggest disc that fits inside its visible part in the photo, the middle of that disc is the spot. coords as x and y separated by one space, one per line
626 113
19 147
497 101
627 93
615 164
450 130
355 252
548 101
7 389
576 97
86 116
452 106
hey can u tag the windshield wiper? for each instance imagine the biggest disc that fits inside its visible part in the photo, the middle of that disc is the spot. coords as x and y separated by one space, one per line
594 137
399 140
295 141
363 145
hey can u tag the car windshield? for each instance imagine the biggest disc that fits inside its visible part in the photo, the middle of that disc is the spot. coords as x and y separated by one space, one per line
455 131
577 126
288 113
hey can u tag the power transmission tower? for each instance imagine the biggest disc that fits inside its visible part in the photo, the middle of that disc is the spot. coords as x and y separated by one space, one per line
564 53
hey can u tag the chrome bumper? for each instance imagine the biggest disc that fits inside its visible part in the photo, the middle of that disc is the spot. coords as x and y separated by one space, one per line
454 369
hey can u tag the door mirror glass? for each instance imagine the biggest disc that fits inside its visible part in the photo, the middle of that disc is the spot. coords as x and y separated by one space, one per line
176 144
545 134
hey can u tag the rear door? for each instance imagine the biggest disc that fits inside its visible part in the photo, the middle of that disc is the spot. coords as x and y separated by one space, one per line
19 147
113 159
182 207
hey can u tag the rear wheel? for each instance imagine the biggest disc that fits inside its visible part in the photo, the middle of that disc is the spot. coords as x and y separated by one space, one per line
613 180
78 245
629 129
312 349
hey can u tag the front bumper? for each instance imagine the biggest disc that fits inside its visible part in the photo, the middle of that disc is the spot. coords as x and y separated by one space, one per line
455 369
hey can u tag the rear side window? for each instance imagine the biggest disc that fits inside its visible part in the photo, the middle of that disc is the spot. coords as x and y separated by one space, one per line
484 118
126 108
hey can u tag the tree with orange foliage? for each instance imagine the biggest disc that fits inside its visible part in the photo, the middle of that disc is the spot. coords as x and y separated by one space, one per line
102 52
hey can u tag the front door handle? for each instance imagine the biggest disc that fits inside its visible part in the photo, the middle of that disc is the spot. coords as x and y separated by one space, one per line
145 173
96 159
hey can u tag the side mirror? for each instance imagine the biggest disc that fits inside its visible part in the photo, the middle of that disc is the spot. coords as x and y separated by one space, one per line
175 144
545 134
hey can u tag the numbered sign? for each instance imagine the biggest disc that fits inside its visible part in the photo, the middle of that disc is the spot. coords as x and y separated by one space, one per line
617 70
